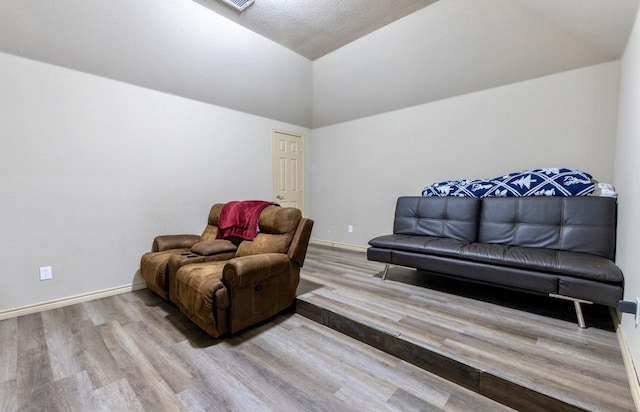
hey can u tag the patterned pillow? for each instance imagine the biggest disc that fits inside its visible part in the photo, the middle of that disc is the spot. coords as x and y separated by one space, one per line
535 182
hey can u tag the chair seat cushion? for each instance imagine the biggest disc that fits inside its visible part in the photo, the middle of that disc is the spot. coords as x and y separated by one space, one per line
194 290
153 269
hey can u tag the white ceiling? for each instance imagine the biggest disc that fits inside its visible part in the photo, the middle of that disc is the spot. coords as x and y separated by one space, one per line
456 47
192 48
313 28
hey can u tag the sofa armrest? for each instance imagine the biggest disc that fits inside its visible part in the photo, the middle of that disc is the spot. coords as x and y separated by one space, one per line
166 242
245 271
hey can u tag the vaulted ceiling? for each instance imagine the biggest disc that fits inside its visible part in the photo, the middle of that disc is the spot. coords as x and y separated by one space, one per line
313 28
412 52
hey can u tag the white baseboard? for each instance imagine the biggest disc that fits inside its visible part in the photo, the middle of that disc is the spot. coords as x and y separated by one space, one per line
71 300
345 246
632 374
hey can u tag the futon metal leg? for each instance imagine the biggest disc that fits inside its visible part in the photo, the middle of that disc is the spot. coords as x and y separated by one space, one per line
579 314
384 274
576 304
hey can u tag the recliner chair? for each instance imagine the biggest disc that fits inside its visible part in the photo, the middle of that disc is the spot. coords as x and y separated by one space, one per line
223 295
184 249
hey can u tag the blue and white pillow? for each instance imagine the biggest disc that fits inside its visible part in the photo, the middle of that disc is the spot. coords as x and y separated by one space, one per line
535 182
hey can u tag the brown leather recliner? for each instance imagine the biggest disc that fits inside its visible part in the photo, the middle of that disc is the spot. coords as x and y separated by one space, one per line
184 249
260 280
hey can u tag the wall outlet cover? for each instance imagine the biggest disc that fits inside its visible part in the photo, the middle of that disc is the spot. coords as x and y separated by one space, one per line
46 273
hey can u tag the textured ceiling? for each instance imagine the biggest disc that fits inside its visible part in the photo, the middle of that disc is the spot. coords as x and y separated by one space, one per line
313 28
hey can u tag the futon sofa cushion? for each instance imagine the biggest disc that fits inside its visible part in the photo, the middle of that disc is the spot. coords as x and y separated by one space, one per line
442 246
448 217
539 259
575 224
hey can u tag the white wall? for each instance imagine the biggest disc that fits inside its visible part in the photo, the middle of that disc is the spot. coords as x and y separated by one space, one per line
92 169
361 167
627 170
455 47
174 46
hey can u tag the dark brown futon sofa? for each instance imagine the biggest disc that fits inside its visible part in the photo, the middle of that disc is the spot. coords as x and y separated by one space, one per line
563 247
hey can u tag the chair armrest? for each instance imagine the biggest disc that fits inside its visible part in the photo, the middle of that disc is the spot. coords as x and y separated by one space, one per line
213 247
300 242
166 242
246 271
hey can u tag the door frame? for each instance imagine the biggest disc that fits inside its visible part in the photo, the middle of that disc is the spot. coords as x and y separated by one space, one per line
274 165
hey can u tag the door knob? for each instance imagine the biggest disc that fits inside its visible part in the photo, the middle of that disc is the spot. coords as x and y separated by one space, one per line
280 197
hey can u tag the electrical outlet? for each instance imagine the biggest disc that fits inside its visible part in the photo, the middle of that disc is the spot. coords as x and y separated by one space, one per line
637 311
46 273
350 228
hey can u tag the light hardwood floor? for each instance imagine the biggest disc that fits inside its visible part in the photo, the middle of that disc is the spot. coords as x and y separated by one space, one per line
504 344
137 352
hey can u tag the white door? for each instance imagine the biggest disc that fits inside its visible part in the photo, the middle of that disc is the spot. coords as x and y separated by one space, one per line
288 169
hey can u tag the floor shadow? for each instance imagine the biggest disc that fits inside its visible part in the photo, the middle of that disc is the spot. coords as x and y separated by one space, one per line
596 316
197 337
306 286
259 328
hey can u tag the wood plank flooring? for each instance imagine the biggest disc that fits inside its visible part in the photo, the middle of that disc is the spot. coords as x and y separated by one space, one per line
522 349
136 352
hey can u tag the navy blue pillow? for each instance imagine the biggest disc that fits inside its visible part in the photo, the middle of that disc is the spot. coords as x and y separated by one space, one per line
535 182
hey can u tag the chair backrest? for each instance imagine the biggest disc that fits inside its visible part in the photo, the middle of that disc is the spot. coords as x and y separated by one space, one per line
281 230
211 229
276 229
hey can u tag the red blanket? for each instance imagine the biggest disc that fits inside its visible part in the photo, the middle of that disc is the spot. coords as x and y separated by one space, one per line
240 219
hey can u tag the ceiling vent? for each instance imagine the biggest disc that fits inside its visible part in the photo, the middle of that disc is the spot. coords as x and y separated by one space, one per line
239 5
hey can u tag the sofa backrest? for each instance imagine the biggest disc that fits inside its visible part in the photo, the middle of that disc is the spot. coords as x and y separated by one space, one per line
452 217
277 226
578 224
211 230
